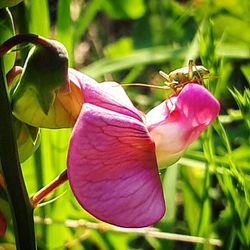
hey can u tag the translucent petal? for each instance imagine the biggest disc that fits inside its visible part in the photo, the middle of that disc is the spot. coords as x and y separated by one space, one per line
112 168
180 120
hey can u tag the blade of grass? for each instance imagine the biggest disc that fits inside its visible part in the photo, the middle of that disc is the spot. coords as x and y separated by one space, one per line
64 27
86 16
170 189
53 152
133 74
38 165
38 10
23 27
142 56
7 31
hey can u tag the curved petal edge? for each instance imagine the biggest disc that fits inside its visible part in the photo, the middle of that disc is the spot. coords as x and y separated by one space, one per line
112 168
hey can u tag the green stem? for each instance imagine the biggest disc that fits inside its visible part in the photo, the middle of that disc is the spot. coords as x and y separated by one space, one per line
208 152
205 188
40 183
42 193
231 239
24 38
21 209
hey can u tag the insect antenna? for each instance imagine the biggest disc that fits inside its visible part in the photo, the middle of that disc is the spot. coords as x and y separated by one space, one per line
145 85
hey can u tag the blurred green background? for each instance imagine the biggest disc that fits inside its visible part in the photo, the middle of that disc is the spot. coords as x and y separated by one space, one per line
208 191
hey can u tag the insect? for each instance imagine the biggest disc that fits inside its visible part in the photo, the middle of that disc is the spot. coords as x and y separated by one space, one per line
178 78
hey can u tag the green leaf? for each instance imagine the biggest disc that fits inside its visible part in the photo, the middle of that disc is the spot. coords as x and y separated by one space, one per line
239 208
39 10
142 56
7 31
230 26
243 102
124 9
121 47
246 71
85 18
9 3
64 29
192 183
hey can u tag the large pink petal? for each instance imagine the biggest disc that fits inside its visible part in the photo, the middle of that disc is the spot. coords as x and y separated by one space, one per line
179 121
112 168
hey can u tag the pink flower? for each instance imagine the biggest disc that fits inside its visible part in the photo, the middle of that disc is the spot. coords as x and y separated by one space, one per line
114 150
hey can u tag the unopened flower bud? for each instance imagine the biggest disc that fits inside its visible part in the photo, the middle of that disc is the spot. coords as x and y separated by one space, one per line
44 78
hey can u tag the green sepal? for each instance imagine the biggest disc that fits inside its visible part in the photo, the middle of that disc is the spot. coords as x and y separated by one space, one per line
45 71
9 3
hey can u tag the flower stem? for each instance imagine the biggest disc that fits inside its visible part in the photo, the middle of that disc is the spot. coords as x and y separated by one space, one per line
42 193
24 38
21 209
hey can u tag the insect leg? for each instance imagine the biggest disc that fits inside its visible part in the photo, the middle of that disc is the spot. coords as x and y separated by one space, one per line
195 78
190 69
166 76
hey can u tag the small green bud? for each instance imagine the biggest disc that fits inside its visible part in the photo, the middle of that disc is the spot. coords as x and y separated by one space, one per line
45 72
